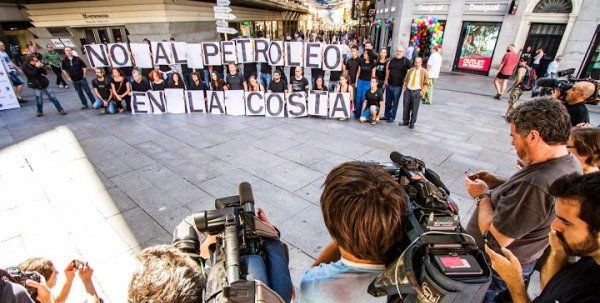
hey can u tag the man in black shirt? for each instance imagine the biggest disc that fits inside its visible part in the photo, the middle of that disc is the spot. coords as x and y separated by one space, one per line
103 92
139 84
277 85
235 80
74 69
352 64
575 102
298 83
395 72
575 232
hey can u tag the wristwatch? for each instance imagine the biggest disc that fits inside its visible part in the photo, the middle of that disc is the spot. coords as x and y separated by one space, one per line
481 197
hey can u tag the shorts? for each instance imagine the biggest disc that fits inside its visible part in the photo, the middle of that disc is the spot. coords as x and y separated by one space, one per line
15 79
502 76
367 113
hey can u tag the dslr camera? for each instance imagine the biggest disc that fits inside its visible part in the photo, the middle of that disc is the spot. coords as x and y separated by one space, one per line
547 86
438 262
247 263
15 275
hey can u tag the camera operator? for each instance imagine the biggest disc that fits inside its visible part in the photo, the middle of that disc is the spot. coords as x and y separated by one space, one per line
517 212
12 292
575 101
575 232
364 210
165 274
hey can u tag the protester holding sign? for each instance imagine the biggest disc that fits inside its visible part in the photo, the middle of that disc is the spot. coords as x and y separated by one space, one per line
120 89
196 83
346 87
52 58
104 95
373 103
156 78
34 71
235 80
320 84
176 81
366 70
277 85
74 68
139 84
216 84
352 64
298 83
254 86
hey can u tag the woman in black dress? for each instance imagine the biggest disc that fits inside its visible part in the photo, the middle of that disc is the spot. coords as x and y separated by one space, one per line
121 88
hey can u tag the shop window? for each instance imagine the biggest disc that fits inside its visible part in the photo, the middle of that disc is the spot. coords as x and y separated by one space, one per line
591 67
554 7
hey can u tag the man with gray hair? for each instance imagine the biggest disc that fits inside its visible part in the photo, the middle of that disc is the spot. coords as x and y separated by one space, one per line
395 71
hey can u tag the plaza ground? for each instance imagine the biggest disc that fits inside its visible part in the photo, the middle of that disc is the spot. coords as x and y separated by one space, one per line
102 187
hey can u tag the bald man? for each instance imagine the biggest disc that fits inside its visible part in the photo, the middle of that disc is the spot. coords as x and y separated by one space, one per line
575 102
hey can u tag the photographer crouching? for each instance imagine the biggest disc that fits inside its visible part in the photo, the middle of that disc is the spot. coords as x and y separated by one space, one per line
516 213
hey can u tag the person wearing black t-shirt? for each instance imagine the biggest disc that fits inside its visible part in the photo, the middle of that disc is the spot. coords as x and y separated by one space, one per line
298 83
380 66
575 102
103 91
277 85
373 103
235 80
351 65
74 69
196 82
366 70
320 84
574 232
395 73
139 84
120 90
156 80
176 81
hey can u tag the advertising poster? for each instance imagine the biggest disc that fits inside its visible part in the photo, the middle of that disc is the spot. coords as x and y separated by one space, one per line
477 46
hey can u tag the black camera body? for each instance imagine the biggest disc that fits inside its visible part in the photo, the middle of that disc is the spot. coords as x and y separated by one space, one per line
547 86
439 262
20 277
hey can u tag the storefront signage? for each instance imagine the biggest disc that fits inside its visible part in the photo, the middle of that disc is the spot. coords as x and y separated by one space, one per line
222 23
223 2
96 18
225 16
484 7
222 9
476 50
431 8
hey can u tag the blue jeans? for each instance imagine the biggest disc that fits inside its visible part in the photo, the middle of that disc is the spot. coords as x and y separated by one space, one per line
265 79
498 291
111 108
392 99
362 86
39 101
80 86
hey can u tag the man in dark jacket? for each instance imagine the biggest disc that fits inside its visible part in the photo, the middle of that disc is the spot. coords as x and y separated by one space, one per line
34 71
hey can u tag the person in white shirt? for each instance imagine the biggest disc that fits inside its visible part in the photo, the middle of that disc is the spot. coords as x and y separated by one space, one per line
553 67
433 67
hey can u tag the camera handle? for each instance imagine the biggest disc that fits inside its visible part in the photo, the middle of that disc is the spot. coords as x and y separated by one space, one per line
232 255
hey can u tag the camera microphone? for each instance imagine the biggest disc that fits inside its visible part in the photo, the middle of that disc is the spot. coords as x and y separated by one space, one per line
396 157
246 197
547 82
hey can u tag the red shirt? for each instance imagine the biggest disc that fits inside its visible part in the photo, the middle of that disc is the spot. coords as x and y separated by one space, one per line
509 62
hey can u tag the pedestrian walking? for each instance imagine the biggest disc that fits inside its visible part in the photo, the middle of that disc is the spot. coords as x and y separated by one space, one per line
523 71
415 85
34 71
507 67
74 69
434 64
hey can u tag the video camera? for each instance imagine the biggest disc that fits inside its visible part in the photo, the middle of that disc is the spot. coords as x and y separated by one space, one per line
15 275
246 260
549 84
441 263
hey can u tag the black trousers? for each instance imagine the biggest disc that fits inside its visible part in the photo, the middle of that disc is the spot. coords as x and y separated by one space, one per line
412 99
59 78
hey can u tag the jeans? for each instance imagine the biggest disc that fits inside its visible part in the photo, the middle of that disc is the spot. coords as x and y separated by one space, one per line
111 108
362 86
392 98
58 73
39 101
80 86
412 99
265 79
498 291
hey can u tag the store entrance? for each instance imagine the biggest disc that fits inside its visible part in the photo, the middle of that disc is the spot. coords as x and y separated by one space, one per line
106 35
548 37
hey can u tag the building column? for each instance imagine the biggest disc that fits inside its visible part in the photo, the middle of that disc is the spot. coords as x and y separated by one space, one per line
403 17
452 33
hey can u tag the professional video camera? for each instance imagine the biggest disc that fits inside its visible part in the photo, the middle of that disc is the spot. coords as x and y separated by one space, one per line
247 263
442 263
548 85
15 275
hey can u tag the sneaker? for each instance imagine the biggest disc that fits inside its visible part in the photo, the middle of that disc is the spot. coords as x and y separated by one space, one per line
66 86
85 107
402 123
39 114
498 97
411 126
103 111
21 100
343 119
384 118
61 86
62 112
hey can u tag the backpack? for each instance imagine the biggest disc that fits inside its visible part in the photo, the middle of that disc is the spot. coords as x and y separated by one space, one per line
529 79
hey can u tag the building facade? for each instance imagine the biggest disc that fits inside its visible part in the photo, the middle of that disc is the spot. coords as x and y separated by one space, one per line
474 34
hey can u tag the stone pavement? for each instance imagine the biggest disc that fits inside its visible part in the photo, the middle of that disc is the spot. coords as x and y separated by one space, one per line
101 188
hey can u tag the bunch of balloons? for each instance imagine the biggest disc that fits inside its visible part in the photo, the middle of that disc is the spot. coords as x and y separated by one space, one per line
426 31
377 23
389 23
